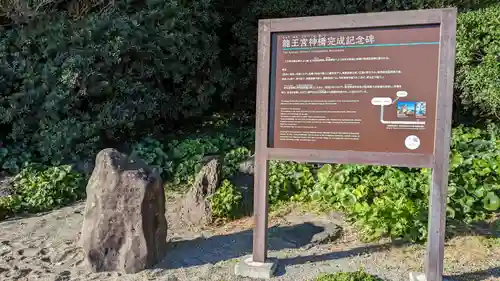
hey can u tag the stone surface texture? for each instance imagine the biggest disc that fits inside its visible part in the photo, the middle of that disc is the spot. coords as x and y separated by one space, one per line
243 180
197 209
6 188
124 227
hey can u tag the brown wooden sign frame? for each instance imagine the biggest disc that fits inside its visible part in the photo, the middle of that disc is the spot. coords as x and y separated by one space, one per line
446 18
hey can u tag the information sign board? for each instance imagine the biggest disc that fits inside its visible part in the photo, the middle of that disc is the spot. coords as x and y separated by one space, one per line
373 88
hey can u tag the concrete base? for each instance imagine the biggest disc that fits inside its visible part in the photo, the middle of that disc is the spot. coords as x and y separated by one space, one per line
415 276
248 268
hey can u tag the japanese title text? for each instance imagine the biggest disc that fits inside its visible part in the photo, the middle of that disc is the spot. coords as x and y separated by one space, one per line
324 41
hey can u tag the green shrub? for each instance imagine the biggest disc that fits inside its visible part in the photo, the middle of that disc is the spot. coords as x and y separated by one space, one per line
14 158
9 205
232 159
180 159
152 152
288 180
72 84
380 201
68 88
478 61
245 30
474 173
348 276
39 188
226 201
389 201
187 154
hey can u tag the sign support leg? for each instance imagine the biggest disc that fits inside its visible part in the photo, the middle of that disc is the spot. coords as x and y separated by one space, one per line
258 265
437 222
438 195
260 210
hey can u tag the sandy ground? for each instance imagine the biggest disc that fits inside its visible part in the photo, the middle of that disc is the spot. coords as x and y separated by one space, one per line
46 247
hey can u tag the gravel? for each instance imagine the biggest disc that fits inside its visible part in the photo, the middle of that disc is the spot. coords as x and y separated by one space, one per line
46 247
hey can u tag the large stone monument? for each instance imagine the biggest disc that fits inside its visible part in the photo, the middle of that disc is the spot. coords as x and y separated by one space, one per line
124 228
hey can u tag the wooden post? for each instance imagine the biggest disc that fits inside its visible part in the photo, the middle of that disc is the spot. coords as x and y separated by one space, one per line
261 162
260 211
439 187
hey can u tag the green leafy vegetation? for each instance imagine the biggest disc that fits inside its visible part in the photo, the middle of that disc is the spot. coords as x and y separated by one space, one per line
69 87
348 276
387 201
289 180
152 152
474 173
477 31
9 205
75 81
478 61
38 188
379 201
232 159
43 189
226 201
142 75
179 160
14 158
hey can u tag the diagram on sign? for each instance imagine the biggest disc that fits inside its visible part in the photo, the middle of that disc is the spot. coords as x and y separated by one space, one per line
405 109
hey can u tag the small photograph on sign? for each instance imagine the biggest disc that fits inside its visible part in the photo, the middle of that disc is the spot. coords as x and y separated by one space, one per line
420 109
406 109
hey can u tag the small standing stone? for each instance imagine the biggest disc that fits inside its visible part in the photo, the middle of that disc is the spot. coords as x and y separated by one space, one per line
196 207
124 227
6 188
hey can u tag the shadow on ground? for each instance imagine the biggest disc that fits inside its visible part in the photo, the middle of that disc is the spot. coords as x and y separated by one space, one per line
287 262
483 228
77 207
477 275
211 250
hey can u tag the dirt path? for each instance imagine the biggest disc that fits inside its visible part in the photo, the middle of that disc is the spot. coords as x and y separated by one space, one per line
45 247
